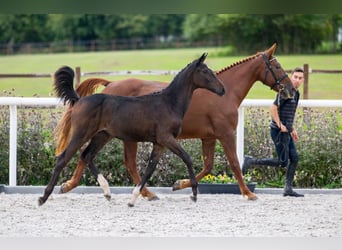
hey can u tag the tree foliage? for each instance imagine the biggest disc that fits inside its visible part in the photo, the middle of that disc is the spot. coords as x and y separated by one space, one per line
298 33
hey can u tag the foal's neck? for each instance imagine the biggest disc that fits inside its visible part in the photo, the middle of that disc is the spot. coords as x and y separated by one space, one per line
179 94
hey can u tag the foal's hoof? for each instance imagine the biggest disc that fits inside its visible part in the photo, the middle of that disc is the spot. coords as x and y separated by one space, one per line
130 204
193 198
108 197
40 201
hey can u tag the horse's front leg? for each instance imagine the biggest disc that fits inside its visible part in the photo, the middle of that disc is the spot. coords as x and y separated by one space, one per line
229 146
208 150
130 153
152 163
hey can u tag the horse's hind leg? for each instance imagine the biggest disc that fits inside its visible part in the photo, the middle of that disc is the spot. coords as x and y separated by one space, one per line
75 179
208 150
152 163
88 155
130 152
229 147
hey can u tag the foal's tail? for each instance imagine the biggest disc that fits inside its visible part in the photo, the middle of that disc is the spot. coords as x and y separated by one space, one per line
63 85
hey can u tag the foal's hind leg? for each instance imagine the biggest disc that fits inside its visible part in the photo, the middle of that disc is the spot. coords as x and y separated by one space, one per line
88 155
156 153
62 161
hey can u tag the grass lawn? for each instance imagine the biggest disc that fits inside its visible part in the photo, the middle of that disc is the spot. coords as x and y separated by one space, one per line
321 86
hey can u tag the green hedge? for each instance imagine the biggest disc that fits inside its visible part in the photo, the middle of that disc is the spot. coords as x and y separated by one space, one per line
319 148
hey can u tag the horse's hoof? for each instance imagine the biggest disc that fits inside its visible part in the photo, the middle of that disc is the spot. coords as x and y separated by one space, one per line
62 190
153 198
176 186
193 198
252 197
108 197
40 201
130 204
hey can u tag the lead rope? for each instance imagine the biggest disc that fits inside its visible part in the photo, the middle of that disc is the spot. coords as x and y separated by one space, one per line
282 137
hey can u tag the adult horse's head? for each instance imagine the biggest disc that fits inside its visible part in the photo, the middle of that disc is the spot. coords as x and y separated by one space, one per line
204 77
275 76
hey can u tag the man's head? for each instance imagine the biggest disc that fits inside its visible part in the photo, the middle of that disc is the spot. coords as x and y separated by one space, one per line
297 77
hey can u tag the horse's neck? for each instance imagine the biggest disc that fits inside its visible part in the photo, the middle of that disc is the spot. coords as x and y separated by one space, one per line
239 79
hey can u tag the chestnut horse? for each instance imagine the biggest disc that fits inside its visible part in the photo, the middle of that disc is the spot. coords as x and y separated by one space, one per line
208 118
155 118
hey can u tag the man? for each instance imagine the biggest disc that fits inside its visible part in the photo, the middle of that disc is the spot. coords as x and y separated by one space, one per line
283 135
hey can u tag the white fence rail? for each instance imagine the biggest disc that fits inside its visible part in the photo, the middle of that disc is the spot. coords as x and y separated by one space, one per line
14 102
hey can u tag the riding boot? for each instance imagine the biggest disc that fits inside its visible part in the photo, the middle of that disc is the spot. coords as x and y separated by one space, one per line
249 161
288 191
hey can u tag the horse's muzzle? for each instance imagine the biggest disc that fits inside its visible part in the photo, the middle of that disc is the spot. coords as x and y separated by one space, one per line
221 92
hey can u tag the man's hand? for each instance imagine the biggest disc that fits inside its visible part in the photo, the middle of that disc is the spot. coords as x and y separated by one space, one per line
294 135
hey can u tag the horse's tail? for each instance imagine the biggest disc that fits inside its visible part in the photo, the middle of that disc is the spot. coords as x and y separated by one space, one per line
62 132
88 86
63 85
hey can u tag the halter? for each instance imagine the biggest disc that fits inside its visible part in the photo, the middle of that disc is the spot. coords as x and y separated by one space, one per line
269 69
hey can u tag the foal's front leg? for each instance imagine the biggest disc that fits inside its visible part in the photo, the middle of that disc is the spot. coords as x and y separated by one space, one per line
156 153
174 146
208 150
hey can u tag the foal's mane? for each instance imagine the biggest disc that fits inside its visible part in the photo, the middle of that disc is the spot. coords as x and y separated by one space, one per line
177 76
246 59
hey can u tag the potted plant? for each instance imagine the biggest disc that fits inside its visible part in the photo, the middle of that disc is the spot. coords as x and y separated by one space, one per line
222 184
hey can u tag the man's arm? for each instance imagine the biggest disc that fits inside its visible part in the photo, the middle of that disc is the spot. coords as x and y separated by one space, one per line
275 117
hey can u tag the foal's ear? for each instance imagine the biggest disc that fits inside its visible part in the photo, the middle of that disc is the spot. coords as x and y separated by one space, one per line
202 58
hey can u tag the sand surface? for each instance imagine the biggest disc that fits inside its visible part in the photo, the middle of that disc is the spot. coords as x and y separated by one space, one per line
91 215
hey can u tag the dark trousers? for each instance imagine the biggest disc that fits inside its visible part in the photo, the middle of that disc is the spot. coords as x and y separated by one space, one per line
285 147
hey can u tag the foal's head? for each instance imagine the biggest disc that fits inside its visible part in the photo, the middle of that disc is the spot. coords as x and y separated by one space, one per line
203 77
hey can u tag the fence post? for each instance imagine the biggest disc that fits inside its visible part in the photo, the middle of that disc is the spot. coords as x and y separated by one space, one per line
306 81
13 146
78 75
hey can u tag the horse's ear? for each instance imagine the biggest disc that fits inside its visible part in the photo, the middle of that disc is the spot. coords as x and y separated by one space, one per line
202 58
271 50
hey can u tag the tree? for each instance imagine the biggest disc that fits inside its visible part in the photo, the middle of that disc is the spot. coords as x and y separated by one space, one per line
24 28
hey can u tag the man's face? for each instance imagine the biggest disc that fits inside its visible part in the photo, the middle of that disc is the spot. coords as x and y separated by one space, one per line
297 79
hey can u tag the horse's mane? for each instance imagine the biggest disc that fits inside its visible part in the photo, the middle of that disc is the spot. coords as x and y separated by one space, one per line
246 59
